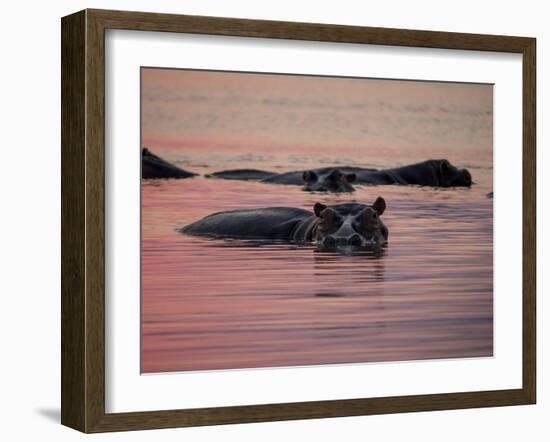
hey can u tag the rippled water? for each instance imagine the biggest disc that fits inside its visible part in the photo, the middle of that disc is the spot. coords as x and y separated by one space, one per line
219 304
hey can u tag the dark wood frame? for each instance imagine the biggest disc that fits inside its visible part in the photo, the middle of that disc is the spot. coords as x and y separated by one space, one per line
83 220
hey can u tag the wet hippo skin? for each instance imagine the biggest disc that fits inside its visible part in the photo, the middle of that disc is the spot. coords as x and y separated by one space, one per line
349 224
153 166
436 173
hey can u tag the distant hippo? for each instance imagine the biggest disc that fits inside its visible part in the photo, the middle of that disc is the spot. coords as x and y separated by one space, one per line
349 224
153 166
327 179
436 173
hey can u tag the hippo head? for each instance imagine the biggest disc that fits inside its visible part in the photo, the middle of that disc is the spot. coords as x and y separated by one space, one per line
451 176
332 180
350 224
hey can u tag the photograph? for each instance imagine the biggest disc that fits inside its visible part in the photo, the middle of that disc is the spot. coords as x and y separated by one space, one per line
292 220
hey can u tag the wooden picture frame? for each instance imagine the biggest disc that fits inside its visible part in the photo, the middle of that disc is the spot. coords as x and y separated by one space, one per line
83 220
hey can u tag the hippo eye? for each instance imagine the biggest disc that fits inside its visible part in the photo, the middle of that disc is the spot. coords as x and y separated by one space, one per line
325 223
309 175
335 174
328 217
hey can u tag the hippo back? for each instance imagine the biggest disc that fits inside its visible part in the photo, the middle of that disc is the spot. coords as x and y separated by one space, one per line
437 173
274 223
294 178
242 174
153 166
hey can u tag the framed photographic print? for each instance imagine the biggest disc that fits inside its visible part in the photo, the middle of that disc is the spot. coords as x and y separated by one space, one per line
270 220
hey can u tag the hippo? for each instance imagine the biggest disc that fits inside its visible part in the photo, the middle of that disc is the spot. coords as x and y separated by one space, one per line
153 166
435 173
327 179
347 224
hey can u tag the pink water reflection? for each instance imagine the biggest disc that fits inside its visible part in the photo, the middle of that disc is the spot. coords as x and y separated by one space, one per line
211 304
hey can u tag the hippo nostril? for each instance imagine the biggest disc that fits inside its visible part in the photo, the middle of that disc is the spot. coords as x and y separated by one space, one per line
354 240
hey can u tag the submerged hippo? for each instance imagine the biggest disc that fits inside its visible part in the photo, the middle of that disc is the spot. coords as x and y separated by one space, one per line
153 166
436 173
349 224
327 179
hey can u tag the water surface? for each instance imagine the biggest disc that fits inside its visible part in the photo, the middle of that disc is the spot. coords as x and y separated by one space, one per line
222 304
212 304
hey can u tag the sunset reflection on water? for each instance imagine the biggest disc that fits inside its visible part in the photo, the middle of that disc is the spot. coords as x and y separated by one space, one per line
212 304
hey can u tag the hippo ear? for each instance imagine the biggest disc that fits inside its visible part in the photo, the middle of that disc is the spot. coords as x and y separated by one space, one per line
318 208
379 205
351 177
444 167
